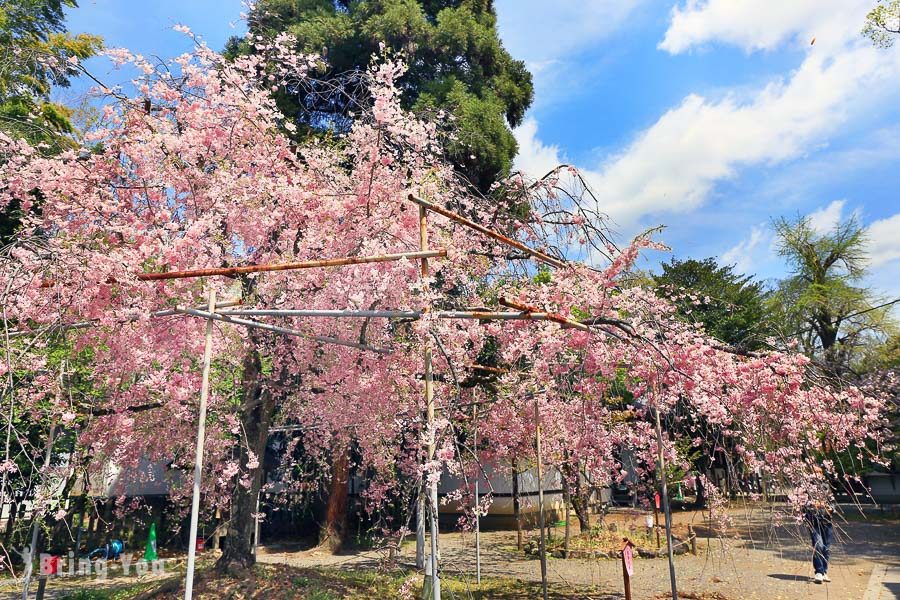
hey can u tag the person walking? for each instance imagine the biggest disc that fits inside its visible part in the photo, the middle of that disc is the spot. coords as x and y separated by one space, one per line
819 520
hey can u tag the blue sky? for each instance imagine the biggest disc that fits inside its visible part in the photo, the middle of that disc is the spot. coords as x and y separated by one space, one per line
711 117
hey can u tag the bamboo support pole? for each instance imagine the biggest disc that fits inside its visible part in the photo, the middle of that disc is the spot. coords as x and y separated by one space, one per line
198 455
555 262
487 369
305 264
356 314
556 318
429 408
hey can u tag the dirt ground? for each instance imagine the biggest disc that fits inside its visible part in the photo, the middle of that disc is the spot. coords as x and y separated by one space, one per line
754 559
757 561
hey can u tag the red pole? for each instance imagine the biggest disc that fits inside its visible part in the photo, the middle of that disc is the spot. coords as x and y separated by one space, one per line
656 517
627 566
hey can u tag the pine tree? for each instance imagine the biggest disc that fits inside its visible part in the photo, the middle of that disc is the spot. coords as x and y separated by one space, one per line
457 64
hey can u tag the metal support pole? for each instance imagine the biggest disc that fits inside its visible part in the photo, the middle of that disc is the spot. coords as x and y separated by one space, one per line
656 523
477 503
421 509
517 509
540 478
661 473
36 515
429 404
198 457
256 526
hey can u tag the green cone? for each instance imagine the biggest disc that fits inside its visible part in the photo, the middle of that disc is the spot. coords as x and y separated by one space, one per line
150 552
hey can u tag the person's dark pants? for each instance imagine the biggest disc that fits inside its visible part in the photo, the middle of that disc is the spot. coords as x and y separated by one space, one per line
821 535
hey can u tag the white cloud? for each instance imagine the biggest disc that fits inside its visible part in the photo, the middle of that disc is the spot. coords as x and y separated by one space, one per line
534 158
741 254
826 219
673 165
884 241
538 31
764 24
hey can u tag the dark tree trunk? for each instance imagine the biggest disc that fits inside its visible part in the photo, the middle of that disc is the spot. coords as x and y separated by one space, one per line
334 532
10 522
257 408
703 468
579 495
581 504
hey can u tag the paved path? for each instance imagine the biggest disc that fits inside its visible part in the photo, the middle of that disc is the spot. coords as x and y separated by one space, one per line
884 584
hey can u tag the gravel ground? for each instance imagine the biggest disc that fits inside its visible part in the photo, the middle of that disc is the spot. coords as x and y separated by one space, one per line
756 560
766 562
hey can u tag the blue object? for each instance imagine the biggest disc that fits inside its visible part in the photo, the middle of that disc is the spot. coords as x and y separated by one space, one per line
110 551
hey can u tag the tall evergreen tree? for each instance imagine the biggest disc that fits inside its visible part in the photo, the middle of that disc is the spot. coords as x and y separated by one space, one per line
457 64
37 54
731 307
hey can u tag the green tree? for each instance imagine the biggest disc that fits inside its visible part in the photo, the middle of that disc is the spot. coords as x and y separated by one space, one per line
731 307
456 61
883 23
823 304
37 54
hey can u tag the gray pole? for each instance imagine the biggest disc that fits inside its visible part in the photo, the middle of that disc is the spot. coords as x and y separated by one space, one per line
36 515
429 413
256 527
198 457
540 478
477 505
661 473
420 528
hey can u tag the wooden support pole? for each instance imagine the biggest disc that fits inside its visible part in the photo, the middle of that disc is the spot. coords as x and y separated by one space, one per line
544 258
556 318
305 264
627 566
198 454
354 314
429 409
42 588
540 480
